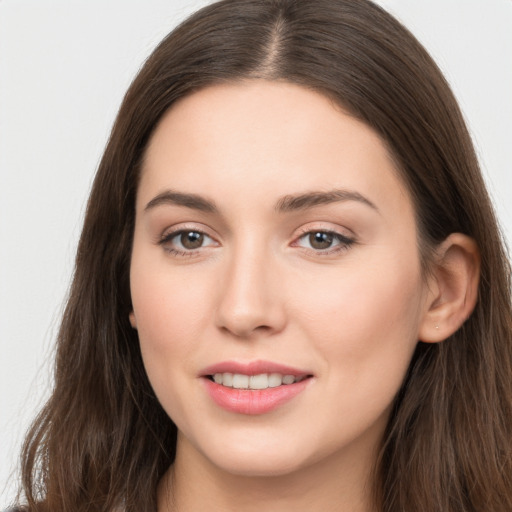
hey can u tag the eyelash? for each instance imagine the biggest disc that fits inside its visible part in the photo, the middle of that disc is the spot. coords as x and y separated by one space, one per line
343 242
167 239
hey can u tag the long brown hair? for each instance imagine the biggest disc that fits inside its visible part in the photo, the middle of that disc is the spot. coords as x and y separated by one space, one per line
103 441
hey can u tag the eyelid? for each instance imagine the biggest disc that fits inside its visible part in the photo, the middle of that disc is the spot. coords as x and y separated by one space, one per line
171 232
345 240
175 234
326 227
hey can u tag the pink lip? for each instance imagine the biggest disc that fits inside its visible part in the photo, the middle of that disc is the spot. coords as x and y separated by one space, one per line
253 368
252 402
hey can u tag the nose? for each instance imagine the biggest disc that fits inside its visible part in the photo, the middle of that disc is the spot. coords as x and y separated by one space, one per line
251 300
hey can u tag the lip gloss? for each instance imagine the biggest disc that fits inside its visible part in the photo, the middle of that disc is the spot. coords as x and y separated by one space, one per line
247 401
253 401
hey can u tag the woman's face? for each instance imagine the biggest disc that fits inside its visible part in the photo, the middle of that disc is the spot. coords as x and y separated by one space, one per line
274 240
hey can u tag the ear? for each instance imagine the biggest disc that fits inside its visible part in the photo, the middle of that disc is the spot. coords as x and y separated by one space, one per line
453 288
133 320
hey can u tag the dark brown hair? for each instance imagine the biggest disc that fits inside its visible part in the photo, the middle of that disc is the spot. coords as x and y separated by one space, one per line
103 441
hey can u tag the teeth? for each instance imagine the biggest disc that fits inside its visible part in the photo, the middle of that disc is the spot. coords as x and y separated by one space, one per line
288 379
260 381
274 380
239 381
227 379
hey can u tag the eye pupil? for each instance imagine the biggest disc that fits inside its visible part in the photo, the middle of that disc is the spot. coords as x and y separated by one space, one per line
320 240
192 239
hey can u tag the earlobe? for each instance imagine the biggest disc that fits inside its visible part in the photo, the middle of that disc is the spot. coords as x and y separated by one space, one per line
454 288
133 320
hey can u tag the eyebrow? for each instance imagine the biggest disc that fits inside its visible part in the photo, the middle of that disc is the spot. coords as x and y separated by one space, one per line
308 200
288 203
193 201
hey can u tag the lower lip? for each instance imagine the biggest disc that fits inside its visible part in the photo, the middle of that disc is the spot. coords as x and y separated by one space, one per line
246 401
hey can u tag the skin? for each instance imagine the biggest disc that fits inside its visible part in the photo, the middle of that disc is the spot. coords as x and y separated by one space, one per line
257 289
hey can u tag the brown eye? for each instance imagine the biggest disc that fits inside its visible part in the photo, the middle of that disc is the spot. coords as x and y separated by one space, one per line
191 239
186 242
324 242
321 240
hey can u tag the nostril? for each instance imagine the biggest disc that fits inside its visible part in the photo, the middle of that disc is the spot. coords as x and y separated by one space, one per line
245 329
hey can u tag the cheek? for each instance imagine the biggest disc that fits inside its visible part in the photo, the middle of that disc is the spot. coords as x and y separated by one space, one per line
365 318
169 311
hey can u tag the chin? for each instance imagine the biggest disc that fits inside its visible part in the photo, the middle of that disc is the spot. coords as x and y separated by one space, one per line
260 466
253 457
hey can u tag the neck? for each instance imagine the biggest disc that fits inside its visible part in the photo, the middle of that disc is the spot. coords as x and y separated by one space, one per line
333 484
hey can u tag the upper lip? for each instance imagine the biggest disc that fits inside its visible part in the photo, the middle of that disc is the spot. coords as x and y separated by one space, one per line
253 368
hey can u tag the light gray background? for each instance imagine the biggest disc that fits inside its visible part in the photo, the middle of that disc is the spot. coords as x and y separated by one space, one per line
64 67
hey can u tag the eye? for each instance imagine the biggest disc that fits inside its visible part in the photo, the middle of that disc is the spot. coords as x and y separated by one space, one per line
186 241
324 241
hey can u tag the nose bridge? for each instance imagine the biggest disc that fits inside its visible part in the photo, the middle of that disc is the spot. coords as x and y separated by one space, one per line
249 297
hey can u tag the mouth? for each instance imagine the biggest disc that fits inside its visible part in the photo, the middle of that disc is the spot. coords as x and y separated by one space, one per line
257 387
255 382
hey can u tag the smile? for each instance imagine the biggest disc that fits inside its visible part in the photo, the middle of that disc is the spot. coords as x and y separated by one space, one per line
255 382
256 387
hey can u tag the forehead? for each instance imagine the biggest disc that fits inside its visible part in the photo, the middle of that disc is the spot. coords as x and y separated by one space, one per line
266 138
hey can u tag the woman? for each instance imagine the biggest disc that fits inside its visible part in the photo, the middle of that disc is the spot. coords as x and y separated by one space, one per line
290 289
